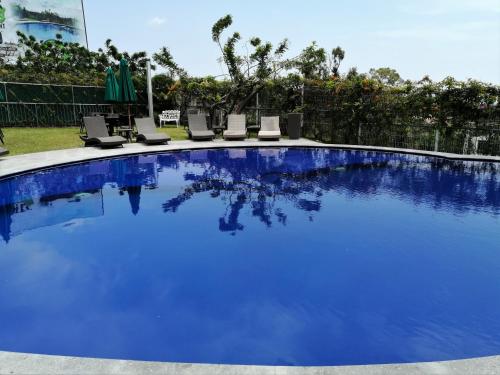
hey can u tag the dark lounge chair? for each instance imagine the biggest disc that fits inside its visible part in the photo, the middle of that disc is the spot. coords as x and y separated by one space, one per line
146 132
236 127
97 133
198 129
270 128
3 151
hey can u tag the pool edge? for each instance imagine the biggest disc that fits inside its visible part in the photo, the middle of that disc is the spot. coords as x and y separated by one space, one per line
36 364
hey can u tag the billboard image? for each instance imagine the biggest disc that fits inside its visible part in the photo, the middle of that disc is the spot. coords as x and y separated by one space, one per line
43 19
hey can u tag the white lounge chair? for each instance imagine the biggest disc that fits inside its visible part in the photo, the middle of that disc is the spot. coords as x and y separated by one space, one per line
236 127
269 128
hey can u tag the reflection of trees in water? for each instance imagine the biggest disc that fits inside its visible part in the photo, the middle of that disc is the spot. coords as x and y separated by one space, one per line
261 195
260 182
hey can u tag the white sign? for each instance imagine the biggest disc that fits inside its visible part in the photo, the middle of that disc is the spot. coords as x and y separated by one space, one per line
43 19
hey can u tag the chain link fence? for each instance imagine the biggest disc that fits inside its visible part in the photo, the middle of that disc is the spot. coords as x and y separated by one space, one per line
43 105
326 123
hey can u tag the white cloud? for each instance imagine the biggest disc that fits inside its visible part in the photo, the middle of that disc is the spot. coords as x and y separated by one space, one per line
157 21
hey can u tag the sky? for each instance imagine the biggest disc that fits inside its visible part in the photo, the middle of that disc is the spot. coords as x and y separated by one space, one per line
439 38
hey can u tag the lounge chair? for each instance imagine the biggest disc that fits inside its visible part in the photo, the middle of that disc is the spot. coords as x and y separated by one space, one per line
236 127
198 129
97 133
269 128
146 132
3 151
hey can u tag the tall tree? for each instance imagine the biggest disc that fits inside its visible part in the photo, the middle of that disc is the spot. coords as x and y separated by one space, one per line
314 63
387 76
247 73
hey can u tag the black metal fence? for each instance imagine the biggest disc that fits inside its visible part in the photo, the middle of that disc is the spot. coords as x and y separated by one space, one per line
325 123
33 105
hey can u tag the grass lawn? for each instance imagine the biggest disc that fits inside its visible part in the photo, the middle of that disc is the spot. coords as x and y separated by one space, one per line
26 140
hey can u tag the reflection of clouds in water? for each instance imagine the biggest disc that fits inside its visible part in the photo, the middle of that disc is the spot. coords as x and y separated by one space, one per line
164 287
76 224
33 268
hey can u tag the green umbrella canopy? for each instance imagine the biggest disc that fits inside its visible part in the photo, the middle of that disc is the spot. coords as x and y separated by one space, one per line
126 92
2 96
112 88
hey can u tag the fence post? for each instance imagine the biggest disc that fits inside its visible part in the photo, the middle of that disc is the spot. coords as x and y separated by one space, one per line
7 102
257 109
302 97
36 116
436 140
73 101
332 131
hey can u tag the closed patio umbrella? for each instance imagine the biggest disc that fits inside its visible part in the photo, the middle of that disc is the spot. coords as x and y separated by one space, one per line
126 92
111 93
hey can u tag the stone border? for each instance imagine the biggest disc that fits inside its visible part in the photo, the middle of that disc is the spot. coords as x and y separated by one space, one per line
35 364
19 363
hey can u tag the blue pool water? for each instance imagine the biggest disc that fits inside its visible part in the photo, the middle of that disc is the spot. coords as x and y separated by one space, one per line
48 31
253 256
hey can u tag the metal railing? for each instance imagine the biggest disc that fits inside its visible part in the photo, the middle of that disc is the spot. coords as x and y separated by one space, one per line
44 105
482 137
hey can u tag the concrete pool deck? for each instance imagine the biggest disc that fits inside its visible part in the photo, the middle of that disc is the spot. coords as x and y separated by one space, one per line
19 363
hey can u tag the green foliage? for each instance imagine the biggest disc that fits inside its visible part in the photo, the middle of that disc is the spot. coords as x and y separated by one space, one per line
362 104
247 74
55 61
314 63
374 99
387 76
311 63
338 55
165 59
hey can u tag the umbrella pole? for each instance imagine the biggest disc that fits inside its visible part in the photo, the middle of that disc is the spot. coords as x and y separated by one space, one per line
129 119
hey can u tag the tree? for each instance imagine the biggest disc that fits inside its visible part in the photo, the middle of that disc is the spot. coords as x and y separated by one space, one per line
165 59
137 61
337 57
387 76
70 63
311 63
55 57
247 73
314 64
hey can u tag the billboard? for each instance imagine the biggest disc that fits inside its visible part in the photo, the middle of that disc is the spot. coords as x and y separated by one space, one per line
43 19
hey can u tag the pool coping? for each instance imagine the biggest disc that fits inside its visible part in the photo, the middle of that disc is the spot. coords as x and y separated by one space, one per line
24 363
20 164
36 364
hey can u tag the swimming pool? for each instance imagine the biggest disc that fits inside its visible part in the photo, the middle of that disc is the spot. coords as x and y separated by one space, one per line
253 256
